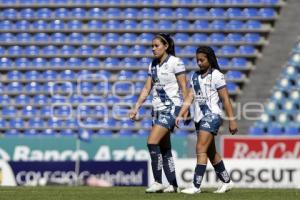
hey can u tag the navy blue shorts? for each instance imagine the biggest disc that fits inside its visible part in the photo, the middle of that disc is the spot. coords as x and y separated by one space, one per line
210 123
165 118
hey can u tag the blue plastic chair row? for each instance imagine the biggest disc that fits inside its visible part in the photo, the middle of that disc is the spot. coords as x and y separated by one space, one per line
126 37
57 25
46 13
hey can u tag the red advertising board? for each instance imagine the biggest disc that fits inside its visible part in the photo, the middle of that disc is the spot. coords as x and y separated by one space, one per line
260 147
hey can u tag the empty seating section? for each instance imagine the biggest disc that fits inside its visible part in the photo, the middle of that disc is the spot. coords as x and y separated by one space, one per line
75 65
281 115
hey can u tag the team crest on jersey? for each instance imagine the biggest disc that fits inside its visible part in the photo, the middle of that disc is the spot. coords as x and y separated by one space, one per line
163 120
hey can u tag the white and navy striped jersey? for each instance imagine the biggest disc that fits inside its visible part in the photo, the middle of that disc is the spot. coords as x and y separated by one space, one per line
206 97
165 90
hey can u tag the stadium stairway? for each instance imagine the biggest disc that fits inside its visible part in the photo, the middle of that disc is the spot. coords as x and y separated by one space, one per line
269 66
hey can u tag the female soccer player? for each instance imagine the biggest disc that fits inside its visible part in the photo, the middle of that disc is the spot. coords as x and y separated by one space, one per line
166 78
208 88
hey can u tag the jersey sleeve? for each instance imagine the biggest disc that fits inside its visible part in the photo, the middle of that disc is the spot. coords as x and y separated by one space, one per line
179 67
219 80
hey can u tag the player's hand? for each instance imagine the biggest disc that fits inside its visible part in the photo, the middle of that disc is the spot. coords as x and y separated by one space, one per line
133 114
233 127
186 118
178 120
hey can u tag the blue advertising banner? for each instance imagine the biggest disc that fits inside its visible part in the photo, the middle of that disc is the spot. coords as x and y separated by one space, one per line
93 173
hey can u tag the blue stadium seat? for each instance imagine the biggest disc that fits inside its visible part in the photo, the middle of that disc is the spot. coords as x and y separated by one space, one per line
232 87
40 99
14 87
217 37
16 123
239 63
182 12
218 24
93 37
29 111
27 13
94 24
61 13
274 129
141 75
182 25
200 12
92 62
22 62
67 50
253 24
53 123
7 37
234 75
56 98
37 62
146 12
234 37
125 75
137 50
56 62
130 12
15 50
40 25
9 13
9 111
228 49
95 12
129 62
22 25
200 24
165 12
127 124
121 50
199 37
146 123
142 133
43 13
292 129
49 75
111 37
22 99
78 13
48 50
45 110
189 50
267 12
32 50
15 75
85 50
146 37
32 75
234 25
217 12
251 12
252 37
58 37
5 99
144 62
33 87
129 37
254 1
57 25
246 49
6 25
11 131
41 37
113 12
73 62
130 24
223 62
164 24
5 62
75 37
234 12
23 37
103 50
272 2
76 99
165 2
75 25
147 25
181 37
256 131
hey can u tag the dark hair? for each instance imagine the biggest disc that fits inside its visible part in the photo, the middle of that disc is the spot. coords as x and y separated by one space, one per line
167 40
211 56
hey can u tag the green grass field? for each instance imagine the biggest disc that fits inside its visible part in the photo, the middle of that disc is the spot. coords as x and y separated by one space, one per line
133 193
